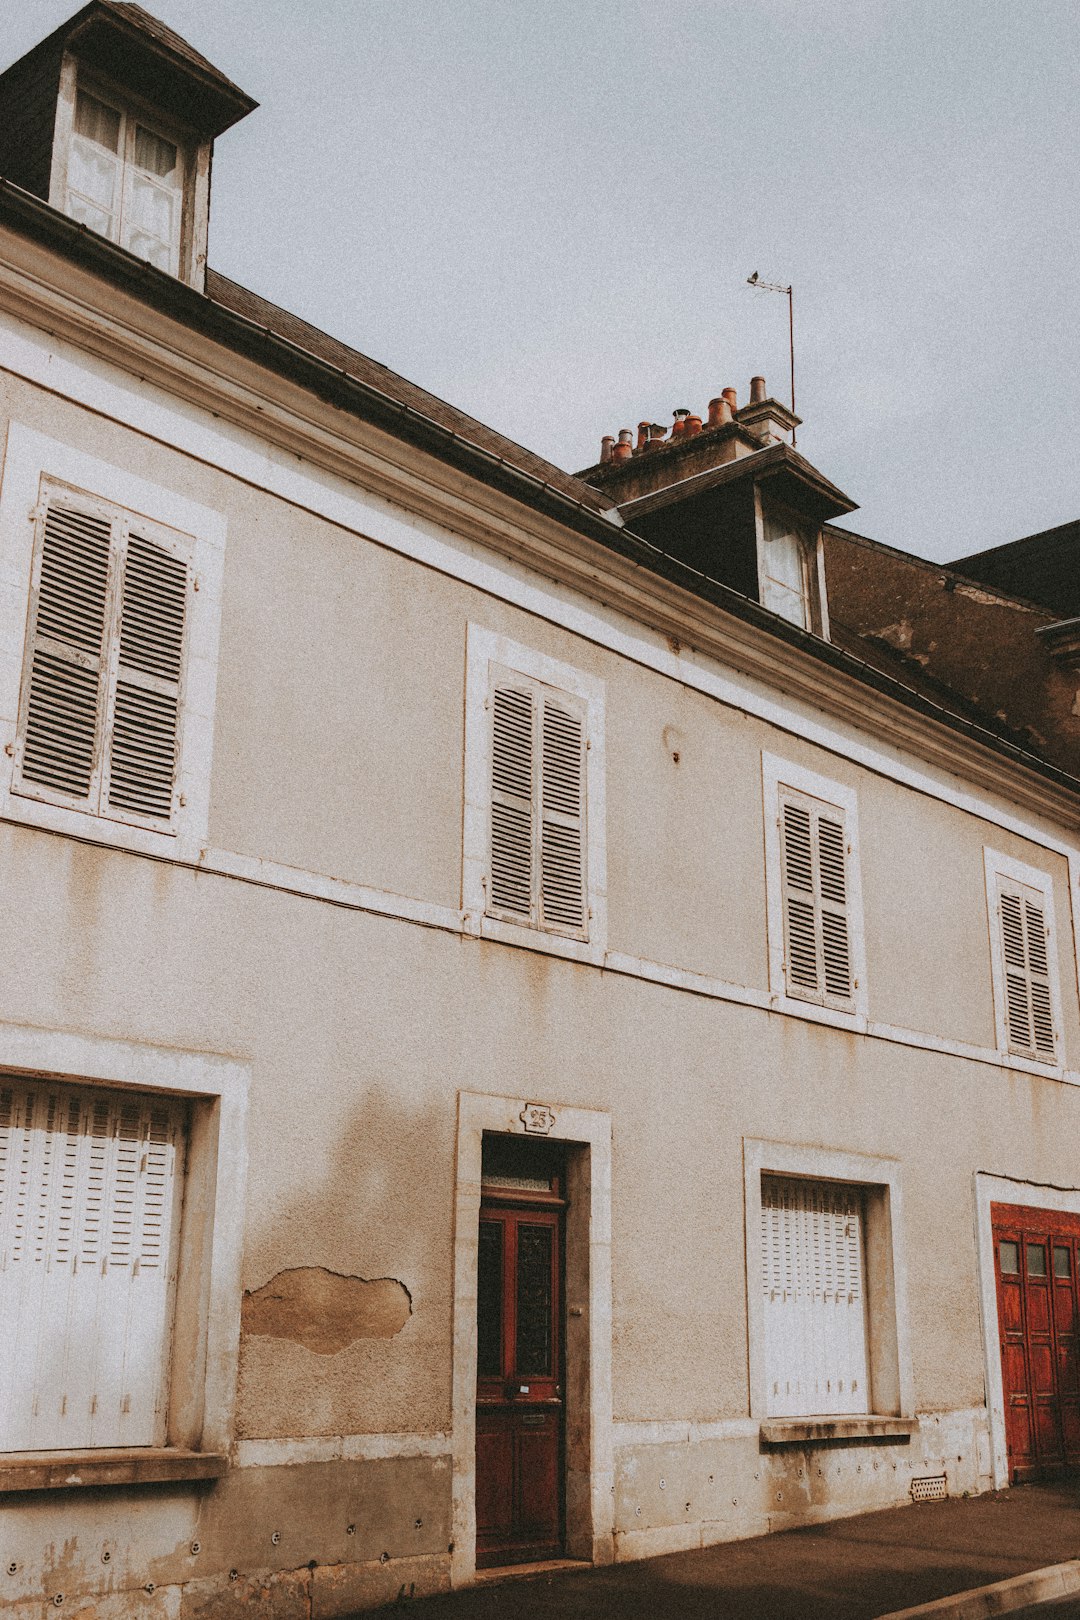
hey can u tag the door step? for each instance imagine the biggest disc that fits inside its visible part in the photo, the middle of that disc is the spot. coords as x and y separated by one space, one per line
527 1572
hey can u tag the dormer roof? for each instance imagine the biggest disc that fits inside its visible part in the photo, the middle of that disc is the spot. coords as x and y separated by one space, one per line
148 58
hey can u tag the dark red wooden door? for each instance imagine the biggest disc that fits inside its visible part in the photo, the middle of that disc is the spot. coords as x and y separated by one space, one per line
519 1407
1036 1256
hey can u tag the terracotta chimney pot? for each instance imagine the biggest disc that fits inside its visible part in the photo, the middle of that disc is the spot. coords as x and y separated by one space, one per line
757 390
732 398
606 446
693 425
642 435
625 448
714 411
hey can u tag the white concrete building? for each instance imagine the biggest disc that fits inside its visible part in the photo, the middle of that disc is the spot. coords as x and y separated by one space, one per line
513 1041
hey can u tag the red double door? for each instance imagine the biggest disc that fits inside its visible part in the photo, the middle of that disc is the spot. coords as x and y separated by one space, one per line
1037 1256
519 1405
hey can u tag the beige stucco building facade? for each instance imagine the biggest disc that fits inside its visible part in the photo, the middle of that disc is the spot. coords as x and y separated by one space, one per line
304 960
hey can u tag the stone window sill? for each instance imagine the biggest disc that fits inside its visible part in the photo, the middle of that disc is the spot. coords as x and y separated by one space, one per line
63 1470
820 1430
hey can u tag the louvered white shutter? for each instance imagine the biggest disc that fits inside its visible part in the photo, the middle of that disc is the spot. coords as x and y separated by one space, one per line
67 665
817 923
90 1196
102 690
513 777
537 872
1029 1006
562 851
814 1298
146 703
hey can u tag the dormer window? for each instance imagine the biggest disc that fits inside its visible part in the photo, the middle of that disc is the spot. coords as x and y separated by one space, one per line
125 180
790 581
112 120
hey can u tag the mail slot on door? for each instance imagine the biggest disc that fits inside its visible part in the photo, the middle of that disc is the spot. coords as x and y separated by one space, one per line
533 1420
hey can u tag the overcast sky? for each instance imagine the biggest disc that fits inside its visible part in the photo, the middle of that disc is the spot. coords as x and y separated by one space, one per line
546 213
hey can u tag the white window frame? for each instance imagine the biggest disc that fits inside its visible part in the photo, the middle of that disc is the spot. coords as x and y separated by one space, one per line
777 774
486 650
892 1389
31 461
205 1342
996 866
815 595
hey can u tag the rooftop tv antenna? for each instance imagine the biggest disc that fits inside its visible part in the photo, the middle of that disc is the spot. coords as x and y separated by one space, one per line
758 285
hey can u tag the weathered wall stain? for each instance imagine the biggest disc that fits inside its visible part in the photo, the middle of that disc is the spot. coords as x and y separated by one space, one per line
325 1311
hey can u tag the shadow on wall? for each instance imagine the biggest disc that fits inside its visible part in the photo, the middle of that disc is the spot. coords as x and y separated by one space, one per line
337 1342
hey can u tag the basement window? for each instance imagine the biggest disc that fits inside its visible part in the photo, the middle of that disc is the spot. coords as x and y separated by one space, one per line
125 180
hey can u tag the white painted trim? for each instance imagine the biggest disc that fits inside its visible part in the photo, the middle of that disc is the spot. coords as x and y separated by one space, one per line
995 866
585 1126
273 875
59 367
286 1452
484 650
206 1333
827 1164
994 1189
777 773
29 457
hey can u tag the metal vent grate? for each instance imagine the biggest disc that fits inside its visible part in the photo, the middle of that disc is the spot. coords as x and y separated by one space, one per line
932 1488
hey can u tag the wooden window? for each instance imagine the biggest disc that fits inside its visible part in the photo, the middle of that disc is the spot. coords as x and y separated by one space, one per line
785 571
100 713
1028 990
814 853
126 181
537 868
812 1271
91 1185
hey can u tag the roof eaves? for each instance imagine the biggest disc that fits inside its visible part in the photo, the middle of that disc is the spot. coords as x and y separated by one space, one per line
191 307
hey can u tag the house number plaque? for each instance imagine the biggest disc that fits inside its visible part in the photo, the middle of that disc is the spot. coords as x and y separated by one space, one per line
537 1118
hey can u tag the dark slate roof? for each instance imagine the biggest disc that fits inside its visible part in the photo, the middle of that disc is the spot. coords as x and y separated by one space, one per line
298 332
1042 568
127 11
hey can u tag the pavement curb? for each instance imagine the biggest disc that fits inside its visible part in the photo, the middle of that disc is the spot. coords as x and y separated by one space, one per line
1003 1597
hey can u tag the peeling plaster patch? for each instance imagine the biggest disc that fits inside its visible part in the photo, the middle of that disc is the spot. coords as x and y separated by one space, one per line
895 635
324 1311
986 598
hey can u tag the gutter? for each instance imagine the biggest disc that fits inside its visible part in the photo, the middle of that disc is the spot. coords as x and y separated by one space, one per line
163 292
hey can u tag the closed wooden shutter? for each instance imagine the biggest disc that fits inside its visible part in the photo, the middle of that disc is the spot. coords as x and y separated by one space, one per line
68 654
814 1298
1029 1005
101 710
146 706
513 778
537 870
814 865
562 853
90 1196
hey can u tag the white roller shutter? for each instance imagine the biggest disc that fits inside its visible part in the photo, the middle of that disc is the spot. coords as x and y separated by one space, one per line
91 1184
815 1306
